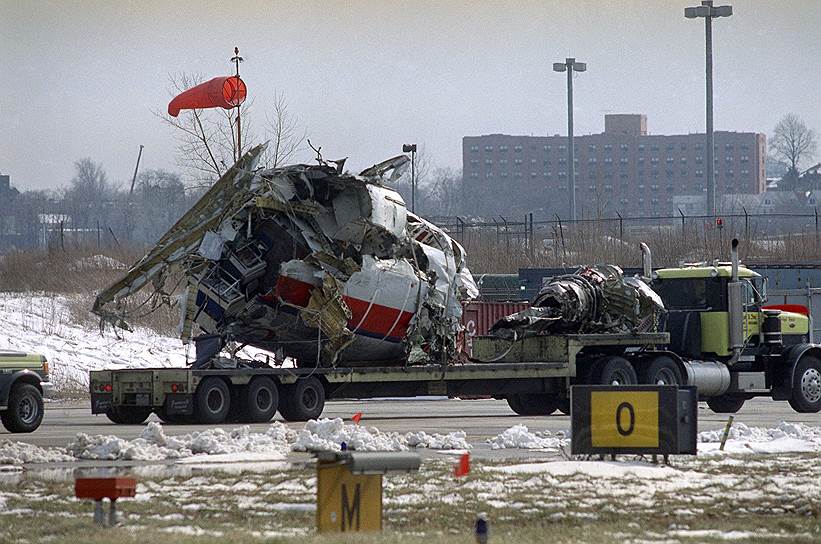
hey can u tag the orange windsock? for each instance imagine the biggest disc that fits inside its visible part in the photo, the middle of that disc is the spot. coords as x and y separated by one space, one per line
220 92
462 468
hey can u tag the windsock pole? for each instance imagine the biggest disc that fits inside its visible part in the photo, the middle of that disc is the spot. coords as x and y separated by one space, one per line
236 59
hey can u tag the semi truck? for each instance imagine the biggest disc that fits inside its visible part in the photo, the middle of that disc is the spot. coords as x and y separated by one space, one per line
718 334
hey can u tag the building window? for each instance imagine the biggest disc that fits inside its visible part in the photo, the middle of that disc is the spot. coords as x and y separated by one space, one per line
474 148
699 159
474 174
608 147
641 160
591 147
670 147
517 174
654 147
683 173
533 174
745 147
562 174
654 160
670 159
502 148
562 148
517 149
699 147
488 148
699 173
684 147
547 148
623 160
623 175
684 160
608 159
728 146
489 175
547 174
474 161
641 147
745 158
532 161
503 174
518 161
591 160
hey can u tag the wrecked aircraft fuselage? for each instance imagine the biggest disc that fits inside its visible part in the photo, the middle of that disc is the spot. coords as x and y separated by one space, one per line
311 263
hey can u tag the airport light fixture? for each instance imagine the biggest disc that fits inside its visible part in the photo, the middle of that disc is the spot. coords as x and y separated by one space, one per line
708 11
570 65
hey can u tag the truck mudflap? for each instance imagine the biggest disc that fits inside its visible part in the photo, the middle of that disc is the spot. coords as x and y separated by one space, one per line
179 404
101 402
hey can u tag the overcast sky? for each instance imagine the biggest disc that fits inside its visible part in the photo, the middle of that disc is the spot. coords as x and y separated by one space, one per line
81 79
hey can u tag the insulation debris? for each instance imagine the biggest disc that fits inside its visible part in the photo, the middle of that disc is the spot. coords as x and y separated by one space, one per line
308 262
595 299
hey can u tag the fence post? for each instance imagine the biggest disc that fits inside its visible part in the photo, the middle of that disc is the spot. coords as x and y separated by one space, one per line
561 237
62 239
532 239
746 225
621 227
683 234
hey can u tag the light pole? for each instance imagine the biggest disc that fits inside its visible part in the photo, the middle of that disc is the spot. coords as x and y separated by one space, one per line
708 11
411 148
570 65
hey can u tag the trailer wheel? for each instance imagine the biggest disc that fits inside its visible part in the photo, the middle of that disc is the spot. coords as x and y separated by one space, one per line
662 370
212 401
726 404
806 386
532 404
259 401
25 409
614 371
132 415
303 400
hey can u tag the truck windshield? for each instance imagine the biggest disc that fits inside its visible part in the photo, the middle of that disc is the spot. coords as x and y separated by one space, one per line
683 293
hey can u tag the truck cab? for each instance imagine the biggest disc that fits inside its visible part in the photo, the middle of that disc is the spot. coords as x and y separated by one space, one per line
24 380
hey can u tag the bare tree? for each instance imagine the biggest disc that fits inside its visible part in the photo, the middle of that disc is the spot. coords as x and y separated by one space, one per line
283 133
793 143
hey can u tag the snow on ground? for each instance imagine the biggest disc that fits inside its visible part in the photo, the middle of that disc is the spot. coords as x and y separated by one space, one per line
786 438
97 262
596 469
520 437
43 324
329 434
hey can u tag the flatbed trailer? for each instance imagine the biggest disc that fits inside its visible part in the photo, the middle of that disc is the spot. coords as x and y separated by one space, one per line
534 379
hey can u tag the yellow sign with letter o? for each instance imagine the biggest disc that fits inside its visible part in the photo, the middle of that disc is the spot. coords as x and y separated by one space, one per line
624 419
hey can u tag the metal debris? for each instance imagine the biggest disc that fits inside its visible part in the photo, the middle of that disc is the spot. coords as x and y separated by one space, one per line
307 262
595 299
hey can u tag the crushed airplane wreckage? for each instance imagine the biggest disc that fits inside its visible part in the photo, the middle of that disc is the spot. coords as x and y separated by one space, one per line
308 262
595 299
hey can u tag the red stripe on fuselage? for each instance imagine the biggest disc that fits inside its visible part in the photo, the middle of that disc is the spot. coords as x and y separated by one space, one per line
374 320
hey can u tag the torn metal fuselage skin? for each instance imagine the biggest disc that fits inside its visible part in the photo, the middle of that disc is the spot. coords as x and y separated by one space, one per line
595 299
311 263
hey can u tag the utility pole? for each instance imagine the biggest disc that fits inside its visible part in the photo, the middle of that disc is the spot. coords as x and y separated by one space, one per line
570 65
708 11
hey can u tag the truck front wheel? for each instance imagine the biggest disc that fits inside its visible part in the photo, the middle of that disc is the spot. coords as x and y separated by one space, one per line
662 370
212 401
25 410
303 400
532 404
806 386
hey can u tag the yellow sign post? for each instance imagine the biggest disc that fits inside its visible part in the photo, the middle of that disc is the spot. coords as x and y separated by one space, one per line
654 419
349 488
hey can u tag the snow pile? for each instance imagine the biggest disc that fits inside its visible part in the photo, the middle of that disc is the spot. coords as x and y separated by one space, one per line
594 469
785 438
17 453
97 262
520 437
43 324
154 445
451 441
329 434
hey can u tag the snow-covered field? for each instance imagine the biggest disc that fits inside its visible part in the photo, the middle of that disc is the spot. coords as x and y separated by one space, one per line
44 324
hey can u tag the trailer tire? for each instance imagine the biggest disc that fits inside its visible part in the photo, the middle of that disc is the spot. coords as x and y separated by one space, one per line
614 371
212 401
25 409
173 419
259 400
726 404
662 370
133 415
303 400
532 404
806 386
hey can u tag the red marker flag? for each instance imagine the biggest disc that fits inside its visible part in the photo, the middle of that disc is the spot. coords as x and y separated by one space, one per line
356 417
462 468
220 92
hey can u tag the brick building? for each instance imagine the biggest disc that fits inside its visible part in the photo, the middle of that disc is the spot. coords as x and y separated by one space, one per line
624 169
